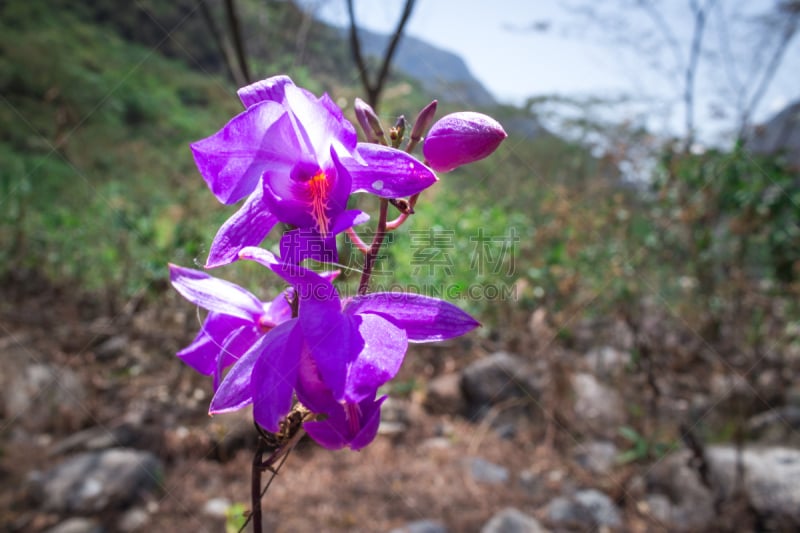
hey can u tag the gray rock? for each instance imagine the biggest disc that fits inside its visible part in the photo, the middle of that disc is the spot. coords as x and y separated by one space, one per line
133 520
111 348
777 426
511 520
606 361
76 525
486 472
600 506
586 509
45 397
93 482
566 513
394 417
770 481
599 457
498 378
443 395
217 507
127 433
676 495
421 526
596 404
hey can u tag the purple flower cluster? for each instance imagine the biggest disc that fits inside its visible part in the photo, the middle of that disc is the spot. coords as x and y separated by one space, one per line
293 158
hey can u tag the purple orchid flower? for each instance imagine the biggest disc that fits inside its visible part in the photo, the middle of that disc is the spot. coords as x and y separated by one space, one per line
461 138
236 320
335 357
296 159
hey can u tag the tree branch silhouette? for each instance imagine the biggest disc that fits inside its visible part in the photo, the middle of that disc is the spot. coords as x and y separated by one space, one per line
375 89
236 37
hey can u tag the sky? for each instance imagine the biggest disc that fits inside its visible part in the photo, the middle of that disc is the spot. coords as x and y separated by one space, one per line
573 56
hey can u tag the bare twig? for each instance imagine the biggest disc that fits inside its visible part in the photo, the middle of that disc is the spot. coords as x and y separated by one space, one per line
374 90
236 37
224 47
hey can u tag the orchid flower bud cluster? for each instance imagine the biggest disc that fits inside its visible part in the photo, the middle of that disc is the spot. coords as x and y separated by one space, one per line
293 158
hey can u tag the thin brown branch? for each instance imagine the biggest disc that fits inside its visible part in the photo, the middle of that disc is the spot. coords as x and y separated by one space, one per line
358 57
224 47
387 58
374 90
691 68
236 37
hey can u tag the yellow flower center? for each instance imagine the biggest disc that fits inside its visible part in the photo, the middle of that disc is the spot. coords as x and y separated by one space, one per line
319 188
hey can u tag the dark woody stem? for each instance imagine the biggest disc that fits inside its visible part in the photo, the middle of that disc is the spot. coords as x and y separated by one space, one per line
372 253
259 465
255 486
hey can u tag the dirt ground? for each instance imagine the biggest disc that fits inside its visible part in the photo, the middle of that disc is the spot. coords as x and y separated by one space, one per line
420 472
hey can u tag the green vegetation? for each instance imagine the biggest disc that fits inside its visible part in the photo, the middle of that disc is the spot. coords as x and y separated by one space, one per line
97 181
99 188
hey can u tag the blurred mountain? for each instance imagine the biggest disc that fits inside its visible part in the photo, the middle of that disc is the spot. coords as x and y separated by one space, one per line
439 71
779 135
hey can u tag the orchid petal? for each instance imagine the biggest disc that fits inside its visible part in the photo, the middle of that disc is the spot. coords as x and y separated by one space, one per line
340 189
274 376
332 337
328 433
259 255
370 421
380 357
204 351
311 390
236 391
214 294
348 219
347 137
423 318
317 125
318 297
337 431
247 227
269 89
278 310
287 193
334 342
233 160
301 244
388 173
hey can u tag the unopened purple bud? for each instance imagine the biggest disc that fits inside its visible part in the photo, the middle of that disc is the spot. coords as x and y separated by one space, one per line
461 138
421 125
369 122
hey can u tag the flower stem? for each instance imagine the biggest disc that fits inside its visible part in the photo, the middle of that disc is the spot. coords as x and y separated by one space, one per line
372 253
396 223
356 240
255 486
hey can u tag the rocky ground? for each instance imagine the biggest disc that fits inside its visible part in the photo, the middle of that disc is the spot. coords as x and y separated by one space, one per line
103 430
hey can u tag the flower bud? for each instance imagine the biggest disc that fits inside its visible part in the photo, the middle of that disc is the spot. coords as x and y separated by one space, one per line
398 131
421 125
369 122
461 138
